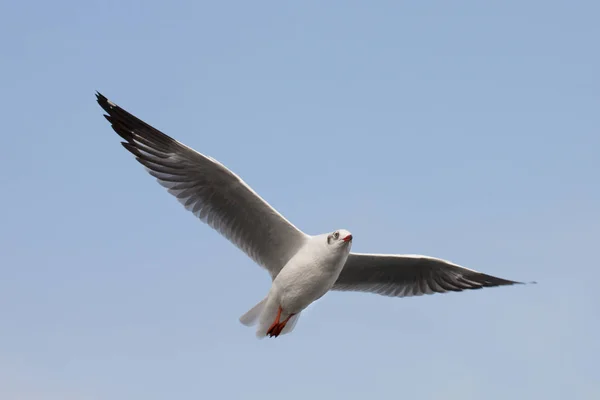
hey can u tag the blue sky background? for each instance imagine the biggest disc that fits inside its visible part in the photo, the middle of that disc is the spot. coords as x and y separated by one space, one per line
462 130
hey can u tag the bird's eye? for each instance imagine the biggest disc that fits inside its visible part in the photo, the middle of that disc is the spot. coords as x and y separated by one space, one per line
336 235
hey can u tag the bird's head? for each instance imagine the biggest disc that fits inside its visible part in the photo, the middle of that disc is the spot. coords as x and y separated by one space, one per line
341 237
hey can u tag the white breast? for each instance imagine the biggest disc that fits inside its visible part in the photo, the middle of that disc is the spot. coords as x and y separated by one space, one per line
309 274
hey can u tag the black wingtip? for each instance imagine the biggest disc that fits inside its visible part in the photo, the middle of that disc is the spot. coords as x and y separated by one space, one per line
524 283
125 123
100 96
105 103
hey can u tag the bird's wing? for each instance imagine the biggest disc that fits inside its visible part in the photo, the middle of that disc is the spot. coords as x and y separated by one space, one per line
208 189
409 275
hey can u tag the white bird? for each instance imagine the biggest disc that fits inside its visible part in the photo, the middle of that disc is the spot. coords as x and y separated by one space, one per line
302 267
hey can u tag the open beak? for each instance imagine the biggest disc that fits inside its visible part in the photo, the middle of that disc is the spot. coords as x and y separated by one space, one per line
347 238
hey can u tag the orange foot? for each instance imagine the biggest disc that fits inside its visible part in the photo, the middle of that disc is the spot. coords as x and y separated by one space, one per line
276 327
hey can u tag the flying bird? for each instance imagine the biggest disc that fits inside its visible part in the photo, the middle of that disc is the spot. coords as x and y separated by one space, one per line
302 267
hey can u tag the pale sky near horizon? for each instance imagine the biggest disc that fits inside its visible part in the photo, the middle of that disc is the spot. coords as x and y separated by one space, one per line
463 130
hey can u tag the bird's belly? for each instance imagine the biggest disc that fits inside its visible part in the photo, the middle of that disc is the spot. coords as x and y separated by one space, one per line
298 287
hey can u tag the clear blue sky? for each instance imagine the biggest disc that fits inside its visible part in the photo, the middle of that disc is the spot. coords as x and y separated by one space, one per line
464 130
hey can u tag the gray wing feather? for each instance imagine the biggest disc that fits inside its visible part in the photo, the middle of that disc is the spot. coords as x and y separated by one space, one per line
409 275
210 191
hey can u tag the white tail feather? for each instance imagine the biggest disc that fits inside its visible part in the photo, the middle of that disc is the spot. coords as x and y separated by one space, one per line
265 313
290 324
251 316
267 316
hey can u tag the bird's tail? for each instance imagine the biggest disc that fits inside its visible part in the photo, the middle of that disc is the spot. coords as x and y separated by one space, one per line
264 313
251 316
269 316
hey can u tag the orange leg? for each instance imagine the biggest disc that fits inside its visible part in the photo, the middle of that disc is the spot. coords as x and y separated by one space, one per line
282 325
275 323
277 327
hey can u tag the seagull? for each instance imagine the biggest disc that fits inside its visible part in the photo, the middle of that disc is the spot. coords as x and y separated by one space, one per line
303 267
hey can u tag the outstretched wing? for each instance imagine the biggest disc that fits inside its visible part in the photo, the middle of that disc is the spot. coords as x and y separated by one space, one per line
409 275
208 189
